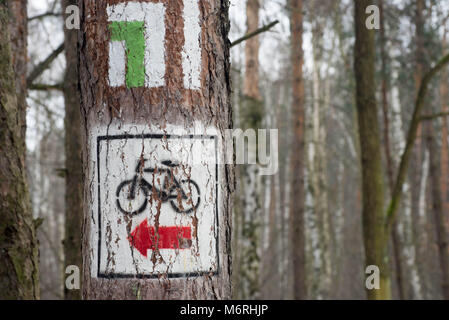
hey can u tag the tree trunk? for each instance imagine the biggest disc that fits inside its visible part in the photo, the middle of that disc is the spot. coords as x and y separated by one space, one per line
396 242
370 147
418 152
444 91
19 39
73 157
296 228
251 114
155 95
18 244
437 208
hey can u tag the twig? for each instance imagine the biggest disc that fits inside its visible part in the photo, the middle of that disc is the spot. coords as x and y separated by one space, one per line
254 33
45 87
41 67
43 15
434 116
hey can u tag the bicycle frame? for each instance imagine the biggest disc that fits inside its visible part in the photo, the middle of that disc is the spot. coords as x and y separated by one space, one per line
163 194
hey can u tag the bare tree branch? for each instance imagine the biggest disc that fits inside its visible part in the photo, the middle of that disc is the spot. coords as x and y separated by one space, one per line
45 87
411 136
254 33
42 66
434 116
43 15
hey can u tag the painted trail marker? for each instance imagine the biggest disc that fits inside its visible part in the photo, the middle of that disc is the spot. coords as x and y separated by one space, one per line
137 48
156 216
156 105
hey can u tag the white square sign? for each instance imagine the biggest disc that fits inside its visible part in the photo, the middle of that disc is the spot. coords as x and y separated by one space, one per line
157 205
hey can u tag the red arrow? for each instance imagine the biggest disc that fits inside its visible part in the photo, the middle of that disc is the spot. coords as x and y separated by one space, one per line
145 237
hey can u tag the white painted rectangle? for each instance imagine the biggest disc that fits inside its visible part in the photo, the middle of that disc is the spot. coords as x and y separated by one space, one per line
117 63
116 161
191 54
153 16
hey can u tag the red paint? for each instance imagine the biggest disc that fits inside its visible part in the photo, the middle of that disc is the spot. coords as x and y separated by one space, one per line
144 237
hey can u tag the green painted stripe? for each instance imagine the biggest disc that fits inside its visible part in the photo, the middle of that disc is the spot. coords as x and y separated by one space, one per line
133 35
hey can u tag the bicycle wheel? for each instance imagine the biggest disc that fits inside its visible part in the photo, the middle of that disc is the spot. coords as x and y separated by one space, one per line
131 205
189 199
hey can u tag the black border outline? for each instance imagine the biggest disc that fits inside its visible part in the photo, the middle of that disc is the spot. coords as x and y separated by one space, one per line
217 236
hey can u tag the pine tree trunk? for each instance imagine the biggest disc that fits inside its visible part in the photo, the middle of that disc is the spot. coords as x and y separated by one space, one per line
251 114
73 156
370 147
19 39
18 245
132 114
297 199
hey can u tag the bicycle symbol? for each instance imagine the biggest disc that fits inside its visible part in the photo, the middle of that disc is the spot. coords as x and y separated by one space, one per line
184 195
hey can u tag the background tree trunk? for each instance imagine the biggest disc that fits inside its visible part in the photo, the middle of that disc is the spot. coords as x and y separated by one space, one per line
417 161
73 157
251 116
396 242
158 109
296 228
437 208
18 245
372 175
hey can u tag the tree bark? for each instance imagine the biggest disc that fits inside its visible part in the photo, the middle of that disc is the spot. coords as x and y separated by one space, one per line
372 175
297 200
19 49
18 245
73 156
154 103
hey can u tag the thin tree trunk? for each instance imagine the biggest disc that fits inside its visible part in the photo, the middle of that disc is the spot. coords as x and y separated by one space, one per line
297 199
397 252
73 157
251 118
417 159
437 208
444 91
132 117
372 175
18 244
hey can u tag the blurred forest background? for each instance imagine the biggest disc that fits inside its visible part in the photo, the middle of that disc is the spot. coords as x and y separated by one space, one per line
412 38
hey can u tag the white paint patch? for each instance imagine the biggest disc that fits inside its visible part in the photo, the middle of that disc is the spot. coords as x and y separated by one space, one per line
117 63
191 54
114 154
153 15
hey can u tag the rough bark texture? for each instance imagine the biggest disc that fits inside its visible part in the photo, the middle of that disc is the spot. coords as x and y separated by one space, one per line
73 156
18 244
162 106
19 33
296 228
370 147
